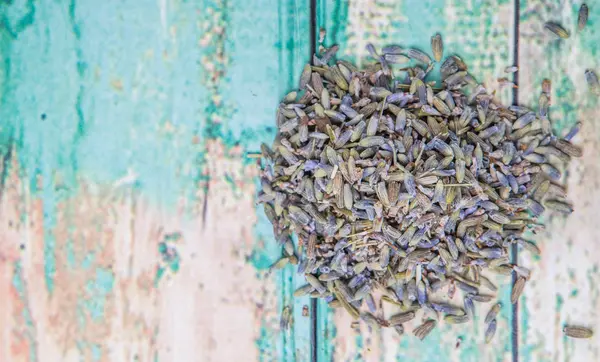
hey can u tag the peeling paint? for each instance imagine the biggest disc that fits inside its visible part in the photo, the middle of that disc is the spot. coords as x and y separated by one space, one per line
118 126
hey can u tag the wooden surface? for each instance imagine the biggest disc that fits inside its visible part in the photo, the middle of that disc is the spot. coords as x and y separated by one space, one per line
565 280
128 225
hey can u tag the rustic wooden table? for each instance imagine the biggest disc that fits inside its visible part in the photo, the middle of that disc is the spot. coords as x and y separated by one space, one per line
128 228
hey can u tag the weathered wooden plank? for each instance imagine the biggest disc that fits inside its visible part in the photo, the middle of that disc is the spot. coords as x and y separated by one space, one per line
266 64
128 217
564 283
481 33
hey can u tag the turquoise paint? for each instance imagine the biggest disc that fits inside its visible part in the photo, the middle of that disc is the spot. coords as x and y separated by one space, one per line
162 248
260 259
589 37
417 31
358 341
590 276
169 254
469 351
65 83
49 242
322 24
215 66
134 116
70 83
160 271
97 290
285 343
265 250
254 94
559 302
506 315
83 111
264 61
419 27
400 348
88 118
267 57
404 346
325 332
565 114
30 332
425 351
71 257
18 16
104 280
7 130
231 182
94 348
80 314
333 16
96 352
175 264
287 339
81 346
525 349
571 273
264 344
88 260
567 343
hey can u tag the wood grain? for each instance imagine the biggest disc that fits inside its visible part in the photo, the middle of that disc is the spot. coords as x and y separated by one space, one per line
128 227
128 224
564 285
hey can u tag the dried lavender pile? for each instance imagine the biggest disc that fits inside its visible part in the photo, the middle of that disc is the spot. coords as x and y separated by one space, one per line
392 184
